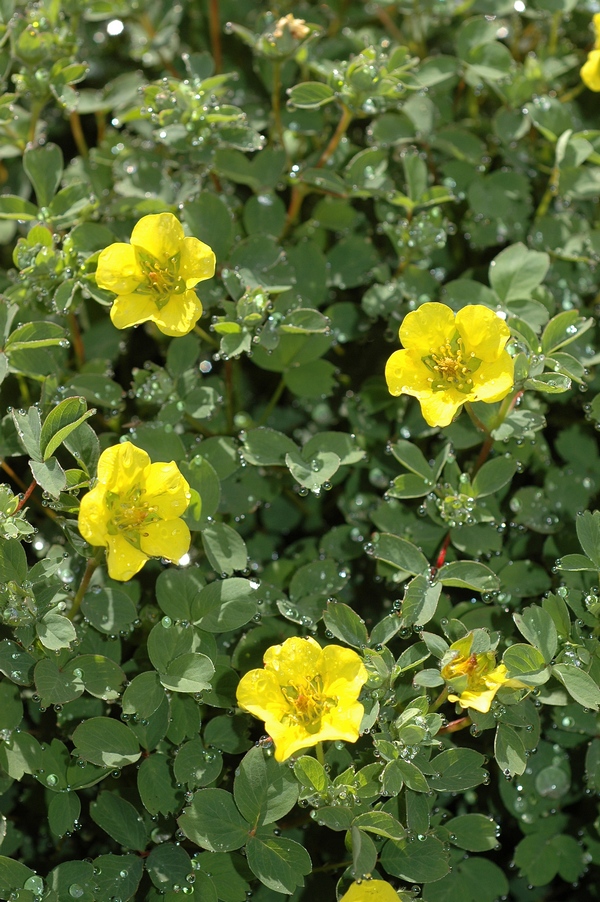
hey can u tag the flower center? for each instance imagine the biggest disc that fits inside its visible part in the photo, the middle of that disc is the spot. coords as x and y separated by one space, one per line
450 366
128 513
161 279
307 704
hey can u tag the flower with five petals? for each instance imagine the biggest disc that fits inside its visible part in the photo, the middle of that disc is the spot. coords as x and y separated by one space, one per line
305 694
474 679
135 510
449 359
154 276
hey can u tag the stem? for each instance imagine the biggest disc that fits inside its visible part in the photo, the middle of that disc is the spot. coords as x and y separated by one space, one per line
439 700
150 30
76 340
320 754
274 399
100 126
35 115
214 27
455 725
342 128
553 36
229 393
550 193
78 136
206 337
89 572
25 497
442 554
475 419
276 101
18 481
299 191
389 24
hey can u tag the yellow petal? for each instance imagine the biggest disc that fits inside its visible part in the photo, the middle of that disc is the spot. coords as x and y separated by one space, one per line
493 381
590 71
295 659
180 315
343 722
197 262
170 539
370 891
343 672
118 269
93 516
483 333
290 739
166 490
259 693
439 408
426 328
406 374
479 701
161 235
132 310
122 466
124 559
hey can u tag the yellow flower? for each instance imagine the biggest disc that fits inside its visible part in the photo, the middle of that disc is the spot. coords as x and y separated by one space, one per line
134 510
474 678
370 891
590 71
305 694
154 276
448 360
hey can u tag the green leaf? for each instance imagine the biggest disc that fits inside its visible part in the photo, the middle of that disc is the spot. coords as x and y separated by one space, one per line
210 220
63 813
471 880
311 774
310 95
116 876
190 672
493 475
278 862
120 820
225 548
562 329
29 428
157 787
540 857
417 862
538 628
473 832
13 207
576 562
196 766
587 525
176 591
264 790
525 663
420 601
44 168
412 458
364 852
224 605
468 575
400 554
49 475
509 750
264 447
313 473
143 695
13 876
304 321
169 867
110 610
579 684
55 631
381 823
106 742
550 383
13 561
517 271
55 686
213 822
205 482
101 676
345 624
11 706
456 770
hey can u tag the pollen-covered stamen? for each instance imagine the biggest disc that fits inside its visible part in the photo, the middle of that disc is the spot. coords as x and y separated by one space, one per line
162 279
451 366
307 703
129 513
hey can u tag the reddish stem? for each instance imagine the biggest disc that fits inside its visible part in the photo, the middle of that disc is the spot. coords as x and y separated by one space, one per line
455 725
25 497
441 558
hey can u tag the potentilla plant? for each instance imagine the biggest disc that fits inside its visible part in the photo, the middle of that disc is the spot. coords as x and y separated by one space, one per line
299 539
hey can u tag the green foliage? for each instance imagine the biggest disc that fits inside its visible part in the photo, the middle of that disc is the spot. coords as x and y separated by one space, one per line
347 162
